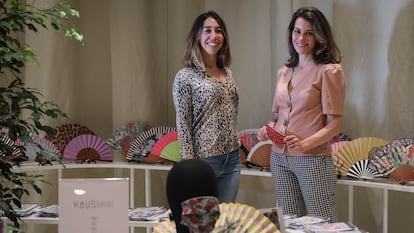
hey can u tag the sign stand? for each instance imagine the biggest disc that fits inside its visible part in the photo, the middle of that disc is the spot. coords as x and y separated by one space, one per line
93 205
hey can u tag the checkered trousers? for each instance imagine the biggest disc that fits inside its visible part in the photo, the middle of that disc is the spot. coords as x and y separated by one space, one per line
305 185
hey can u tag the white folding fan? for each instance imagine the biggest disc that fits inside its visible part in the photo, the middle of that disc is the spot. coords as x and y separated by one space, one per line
87 147
259 155
14 151
360 170
353 151
247 139
42 148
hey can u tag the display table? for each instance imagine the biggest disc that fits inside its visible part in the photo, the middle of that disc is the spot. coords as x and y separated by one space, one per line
385 185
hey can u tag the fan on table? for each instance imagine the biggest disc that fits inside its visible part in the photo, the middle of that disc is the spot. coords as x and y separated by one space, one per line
234 217
167 147
360 170
121 138
353 151
259 155
65 133
42 150
13 151
142 145
247 138
386 158
87 147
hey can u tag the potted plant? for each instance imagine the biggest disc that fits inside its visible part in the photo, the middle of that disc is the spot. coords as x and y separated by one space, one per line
22 109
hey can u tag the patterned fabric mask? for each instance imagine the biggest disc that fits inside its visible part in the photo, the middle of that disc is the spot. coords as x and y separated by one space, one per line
200 214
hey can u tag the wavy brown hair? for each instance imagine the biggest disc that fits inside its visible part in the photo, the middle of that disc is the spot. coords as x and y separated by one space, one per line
325 51
192 56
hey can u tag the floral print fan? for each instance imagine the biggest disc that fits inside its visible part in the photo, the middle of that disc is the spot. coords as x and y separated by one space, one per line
121 138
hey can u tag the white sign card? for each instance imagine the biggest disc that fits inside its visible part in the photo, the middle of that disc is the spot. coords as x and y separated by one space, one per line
93 205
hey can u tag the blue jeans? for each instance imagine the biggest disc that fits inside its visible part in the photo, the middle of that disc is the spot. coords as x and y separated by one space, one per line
227 170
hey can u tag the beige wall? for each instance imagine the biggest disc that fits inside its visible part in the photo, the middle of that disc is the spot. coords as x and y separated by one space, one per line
132 49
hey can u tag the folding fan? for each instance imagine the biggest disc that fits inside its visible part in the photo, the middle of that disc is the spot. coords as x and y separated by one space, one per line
236 217
354 151
243 154
386 158
167 147
87 147
360 170
41 148
166 226
337 145
65 133
157 159
13 152
275 136
248 138
276 216
260 154
142 145
121 138
403 174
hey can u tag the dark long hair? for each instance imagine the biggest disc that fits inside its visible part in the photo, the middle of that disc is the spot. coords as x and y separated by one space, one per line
192 56
325 51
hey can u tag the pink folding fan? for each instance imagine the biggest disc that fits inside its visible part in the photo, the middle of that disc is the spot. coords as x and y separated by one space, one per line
87 147
66 132
141 147
167 147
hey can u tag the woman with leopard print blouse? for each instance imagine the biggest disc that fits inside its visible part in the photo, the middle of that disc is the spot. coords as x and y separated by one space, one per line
206 102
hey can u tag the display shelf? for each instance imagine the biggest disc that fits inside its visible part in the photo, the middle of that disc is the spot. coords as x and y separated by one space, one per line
43 220
385 185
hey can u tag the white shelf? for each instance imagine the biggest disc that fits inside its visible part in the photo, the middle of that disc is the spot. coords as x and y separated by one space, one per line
44 220
385 185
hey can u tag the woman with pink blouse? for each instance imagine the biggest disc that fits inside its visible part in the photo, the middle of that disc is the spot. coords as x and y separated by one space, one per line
308 111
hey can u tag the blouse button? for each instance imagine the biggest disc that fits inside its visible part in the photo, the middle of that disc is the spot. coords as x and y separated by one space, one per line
289 104
285 122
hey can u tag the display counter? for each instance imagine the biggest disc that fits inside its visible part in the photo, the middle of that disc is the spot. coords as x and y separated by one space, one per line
385 185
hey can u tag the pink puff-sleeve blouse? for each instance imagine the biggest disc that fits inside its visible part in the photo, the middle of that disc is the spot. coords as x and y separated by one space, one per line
316 91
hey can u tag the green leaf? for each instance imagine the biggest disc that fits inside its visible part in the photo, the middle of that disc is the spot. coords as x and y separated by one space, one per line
17 18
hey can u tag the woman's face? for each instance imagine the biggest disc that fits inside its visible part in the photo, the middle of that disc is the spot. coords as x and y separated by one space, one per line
303 38
212 37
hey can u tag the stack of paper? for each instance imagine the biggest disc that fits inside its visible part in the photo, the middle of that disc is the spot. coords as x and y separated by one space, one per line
153 213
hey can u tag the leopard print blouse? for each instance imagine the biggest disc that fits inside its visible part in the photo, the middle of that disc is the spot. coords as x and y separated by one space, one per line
206 113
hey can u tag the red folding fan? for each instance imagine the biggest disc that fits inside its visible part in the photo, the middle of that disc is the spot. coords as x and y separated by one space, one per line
142 145
275 136
167 147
